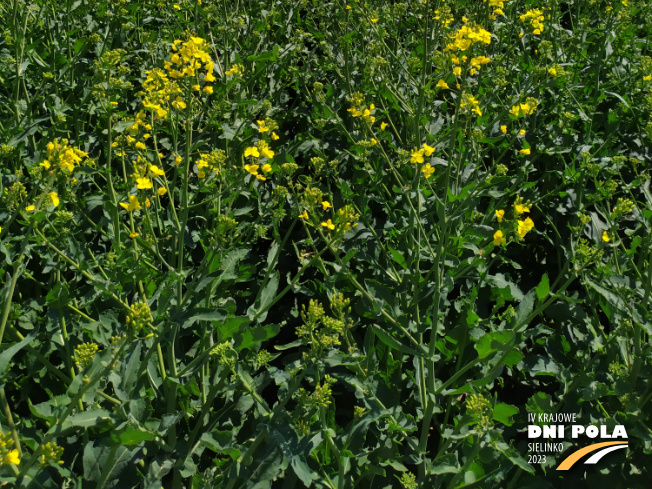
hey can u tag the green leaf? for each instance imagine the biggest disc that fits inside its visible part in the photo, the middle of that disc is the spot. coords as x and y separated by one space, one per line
230 326
499 281
493 342
258 310
523 311
252 336
540 365
8 354
86 419
503 413
201 314
513 456
133 436
543 289
393 343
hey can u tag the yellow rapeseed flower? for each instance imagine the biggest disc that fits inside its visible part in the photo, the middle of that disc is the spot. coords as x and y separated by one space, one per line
30 208
503 129
156 171
441 84
304 215
143 183
427 170
12 458
162 191
325 204
499 215
132 205
428 150
262 127
179 103
253 169
265 150
252 151
498 238
525 226
417 156
54 197
605 237
328 224
525 151
383 125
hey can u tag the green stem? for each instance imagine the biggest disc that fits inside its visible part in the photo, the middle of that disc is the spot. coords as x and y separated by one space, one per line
10 420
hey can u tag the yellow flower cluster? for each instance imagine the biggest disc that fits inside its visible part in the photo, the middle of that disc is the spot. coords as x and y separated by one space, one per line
535 19
361 110
528 107
522 226
266 126
466 36
261 150
470 102
417 154
235 70
133 205
50 453
8 455
140 316
143 174
189 59
84 354
498 6
211 162
62 156
158 92
476 63
444 16
346 216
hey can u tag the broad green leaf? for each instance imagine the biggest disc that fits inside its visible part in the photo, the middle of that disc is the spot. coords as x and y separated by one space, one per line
543 289
133 436
8 354
258 310
503 413
492 342
86 419
252 336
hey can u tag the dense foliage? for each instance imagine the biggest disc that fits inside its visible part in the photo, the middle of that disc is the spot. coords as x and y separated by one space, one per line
325 244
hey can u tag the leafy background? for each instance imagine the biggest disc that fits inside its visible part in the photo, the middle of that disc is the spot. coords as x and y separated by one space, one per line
346 316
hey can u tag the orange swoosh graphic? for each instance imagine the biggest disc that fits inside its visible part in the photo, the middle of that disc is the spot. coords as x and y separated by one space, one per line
575 456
